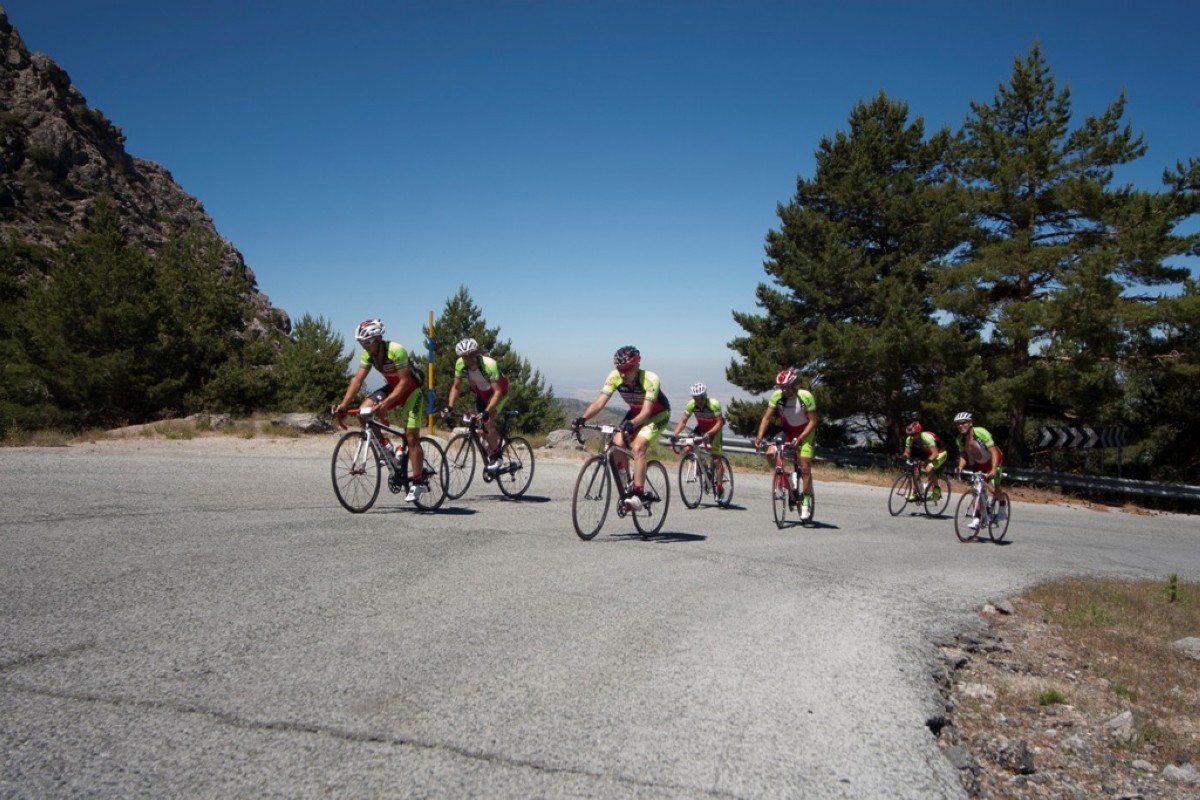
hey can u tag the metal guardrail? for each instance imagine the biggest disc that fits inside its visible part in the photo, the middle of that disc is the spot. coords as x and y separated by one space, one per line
1032 477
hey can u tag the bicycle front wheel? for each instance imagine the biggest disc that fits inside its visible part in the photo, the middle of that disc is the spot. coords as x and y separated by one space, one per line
460 465
517 472
691 483
967 511
999 527
779 498
898 497
435 474
725 496
937 499
356 472
589 503
649 520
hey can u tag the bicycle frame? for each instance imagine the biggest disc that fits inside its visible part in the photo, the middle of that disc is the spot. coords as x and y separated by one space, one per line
360 456
783 497
700 473
466 448
373 425
979 505
910 483
593 488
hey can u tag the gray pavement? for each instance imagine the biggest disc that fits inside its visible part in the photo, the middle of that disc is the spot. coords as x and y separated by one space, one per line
202 618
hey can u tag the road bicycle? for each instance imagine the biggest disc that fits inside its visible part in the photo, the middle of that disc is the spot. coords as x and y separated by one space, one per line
910 487
361 456
464 449
594 489
977 504
785 486
698 475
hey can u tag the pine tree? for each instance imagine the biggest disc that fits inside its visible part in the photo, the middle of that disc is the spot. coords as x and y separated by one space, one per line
312 367
1056 247
528 394
852 265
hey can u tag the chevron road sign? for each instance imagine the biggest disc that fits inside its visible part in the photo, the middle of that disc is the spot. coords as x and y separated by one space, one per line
1080 437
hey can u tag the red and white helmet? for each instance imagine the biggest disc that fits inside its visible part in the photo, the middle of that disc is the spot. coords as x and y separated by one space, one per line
367 330
787 378
627 356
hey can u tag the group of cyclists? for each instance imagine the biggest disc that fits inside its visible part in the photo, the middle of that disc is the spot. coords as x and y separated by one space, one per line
479 372
646 419
976 448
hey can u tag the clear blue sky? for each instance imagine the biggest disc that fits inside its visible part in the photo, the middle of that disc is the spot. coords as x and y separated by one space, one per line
596 172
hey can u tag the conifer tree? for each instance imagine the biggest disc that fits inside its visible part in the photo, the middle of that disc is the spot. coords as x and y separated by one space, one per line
528 394
852 265
1057 249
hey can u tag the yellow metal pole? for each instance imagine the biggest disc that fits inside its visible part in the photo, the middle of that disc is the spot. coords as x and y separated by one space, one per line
430 368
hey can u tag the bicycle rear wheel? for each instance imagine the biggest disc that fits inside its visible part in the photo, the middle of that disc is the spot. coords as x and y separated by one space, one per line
436 476
967 510
460 465
779 498
901 489
725 496
356 472
649 520
517 473
589 502
691 482
999 527
937 499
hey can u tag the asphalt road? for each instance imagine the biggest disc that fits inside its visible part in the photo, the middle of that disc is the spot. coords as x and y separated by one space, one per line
201 618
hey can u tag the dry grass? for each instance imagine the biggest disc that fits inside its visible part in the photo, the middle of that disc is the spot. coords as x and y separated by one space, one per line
1124 632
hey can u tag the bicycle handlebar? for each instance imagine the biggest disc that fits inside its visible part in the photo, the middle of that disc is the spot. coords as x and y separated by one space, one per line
677 444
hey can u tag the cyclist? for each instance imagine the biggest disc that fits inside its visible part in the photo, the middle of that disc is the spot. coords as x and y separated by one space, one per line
710 422
647 417
976 447
929 449
403 380
482 375
797 409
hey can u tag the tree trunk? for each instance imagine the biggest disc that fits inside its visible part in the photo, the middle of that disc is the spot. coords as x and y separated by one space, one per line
1014 451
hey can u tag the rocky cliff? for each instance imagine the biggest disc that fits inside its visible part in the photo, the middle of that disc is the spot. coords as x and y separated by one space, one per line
57 156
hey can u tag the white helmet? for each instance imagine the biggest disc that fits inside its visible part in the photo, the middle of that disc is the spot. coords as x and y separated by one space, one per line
369 329
699 390
466 346
962 416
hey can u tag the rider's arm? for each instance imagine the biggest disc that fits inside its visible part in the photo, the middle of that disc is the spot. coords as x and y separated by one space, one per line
762 424
597 404
809 426
682 422
995 454
494 400
453 398
356 383
401 389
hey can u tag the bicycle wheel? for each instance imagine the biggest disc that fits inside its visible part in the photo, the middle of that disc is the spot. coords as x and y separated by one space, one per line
436 475
967 510
650 519
517 472
460 465
999 527
779 498
691 482
589 502
937 499
898 497
356 472
725 496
